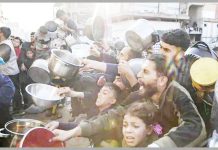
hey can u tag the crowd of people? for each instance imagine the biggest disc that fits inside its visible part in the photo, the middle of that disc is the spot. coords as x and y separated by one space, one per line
152 103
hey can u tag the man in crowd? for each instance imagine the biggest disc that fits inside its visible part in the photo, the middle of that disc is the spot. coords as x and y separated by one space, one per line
173 45
69 25
31 44
11 68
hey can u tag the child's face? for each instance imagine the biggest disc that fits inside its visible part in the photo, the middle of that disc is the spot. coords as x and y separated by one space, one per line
16 42
134 130
32 38
29 54
105 98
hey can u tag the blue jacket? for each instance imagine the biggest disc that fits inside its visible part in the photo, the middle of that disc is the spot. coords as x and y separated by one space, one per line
7 91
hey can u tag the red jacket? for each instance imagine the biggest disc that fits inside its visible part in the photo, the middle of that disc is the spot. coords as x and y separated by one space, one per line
17 51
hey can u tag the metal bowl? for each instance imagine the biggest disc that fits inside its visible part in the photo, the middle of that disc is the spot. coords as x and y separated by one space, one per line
43 95
21 126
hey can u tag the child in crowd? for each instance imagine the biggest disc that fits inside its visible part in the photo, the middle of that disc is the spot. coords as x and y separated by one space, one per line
107 99
139 126
28 59
17 46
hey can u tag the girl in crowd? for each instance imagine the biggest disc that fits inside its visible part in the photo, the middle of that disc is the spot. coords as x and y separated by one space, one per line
139 126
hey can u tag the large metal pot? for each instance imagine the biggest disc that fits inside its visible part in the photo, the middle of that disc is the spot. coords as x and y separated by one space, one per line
139 36
95 28
39 71
20 127
63 64
43 95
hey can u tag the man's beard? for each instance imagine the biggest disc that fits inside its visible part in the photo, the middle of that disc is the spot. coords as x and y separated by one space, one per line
150 90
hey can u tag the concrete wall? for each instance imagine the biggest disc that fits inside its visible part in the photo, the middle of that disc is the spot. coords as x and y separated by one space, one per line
216 15
209 11
210 32
196 15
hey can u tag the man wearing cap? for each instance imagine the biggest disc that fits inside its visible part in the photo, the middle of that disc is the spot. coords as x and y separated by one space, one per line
204 74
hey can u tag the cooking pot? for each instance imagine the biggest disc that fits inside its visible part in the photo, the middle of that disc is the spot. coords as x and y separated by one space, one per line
39 71
63 64
139 36
95 28
20 127
43 95
81 50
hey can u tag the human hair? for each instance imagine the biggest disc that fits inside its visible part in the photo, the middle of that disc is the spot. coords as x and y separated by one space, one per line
5 52
177 37
60 13
32 33
18 38
146 111
6 31
115 89
160 63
